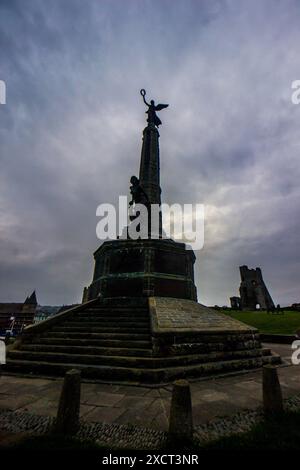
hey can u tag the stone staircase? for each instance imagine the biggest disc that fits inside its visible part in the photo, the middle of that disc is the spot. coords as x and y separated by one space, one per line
113 342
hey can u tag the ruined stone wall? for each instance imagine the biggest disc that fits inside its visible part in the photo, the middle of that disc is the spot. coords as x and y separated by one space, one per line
253 290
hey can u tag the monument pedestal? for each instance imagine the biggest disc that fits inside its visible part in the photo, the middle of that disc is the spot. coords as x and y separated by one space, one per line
143 268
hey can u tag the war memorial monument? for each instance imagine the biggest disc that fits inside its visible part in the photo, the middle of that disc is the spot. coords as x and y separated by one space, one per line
140 320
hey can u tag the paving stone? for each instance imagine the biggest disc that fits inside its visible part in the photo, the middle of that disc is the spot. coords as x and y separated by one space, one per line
101 398
99 387
160 422
42 407
53 393
130 402
142 416
27 386
29 390
104 414
292 381
12 379
166 403
204 413
244 401
250 389
13 402
85 410
133 391
248 385
7 388
155 393
210 395
165 392
288 390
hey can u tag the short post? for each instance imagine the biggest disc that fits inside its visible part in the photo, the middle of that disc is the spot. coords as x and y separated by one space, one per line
181 418
272 396
67 420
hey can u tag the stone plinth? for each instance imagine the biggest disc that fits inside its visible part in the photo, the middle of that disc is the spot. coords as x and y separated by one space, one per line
181 326
143 268
175 316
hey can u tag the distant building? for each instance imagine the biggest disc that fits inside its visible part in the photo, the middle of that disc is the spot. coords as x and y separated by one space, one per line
253 291
16 316
235 303
63 308
296 306
40 315
44 312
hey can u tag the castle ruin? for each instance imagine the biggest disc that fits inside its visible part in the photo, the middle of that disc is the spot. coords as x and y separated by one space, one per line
253 291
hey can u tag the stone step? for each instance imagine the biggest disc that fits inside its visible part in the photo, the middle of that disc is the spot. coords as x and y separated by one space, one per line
129 361
190 348
116 319
162 375
104 324
90 349
213 337
117 308
87 335
84 329
128 341
114 312
105 343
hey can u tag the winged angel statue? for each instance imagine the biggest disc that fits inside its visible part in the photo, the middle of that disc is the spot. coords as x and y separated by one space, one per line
152 108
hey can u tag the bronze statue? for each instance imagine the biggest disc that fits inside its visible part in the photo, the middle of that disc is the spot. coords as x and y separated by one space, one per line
138 197
138 194
152 117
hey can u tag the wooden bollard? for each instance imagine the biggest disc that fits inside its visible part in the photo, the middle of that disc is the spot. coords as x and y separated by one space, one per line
67 420
272 396
181 417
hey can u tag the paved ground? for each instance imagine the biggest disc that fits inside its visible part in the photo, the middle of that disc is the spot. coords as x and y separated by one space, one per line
148 407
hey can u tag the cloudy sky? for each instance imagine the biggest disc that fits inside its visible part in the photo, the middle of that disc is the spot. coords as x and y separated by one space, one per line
70 134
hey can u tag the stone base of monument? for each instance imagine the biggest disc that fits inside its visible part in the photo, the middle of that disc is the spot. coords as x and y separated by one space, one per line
143 268
144 340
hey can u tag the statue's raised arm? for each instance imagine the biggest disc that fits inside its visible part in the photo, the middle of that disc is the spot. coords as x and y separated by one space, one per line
143 93
152 108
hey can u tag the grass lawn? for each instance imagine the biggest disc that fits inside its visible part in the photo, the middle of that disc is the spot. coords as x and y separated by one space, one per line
287 323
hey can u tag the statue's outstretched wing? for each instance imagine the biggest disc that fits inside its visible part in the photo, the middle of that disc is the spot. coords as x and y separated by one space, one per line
160 106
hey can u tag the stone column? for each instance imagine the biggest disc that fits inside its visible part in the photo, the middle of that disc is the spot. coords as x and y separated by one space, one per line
149 174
